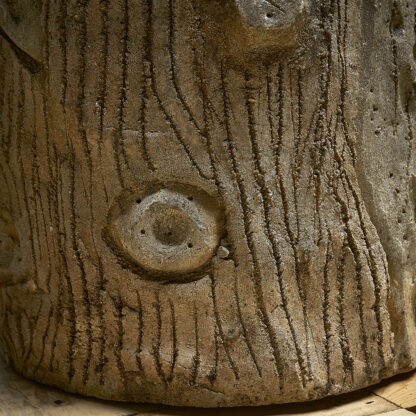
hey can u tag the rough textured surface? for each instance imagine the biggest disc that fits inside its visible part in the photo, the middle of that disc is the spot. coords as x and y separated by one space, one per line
277 135
19 396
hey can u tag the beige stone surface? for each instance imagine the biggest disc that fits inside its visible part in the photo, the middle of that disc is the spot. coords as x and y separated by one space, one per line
209 202
20 397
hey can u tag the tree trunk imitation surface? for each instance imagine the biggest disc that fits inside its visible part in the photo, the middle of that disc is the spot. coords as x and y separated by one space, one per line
208 202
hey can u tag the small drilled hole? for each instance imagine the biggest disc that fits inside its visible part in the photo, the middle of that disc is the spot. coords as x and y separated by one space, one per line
190 245
190 198
269 15
143 232
171 227
138 200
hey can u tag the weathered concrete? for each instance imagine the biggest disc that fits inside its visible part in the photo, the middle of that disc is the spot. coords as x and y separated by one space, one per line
208 202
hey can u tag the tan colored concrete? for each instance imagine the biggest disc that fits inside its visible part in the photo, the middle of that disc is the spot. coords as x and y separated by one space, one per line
266 151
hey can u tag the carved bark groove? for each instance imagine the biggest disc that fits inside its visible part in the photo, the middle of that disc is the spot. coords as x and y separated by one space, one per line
205 206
